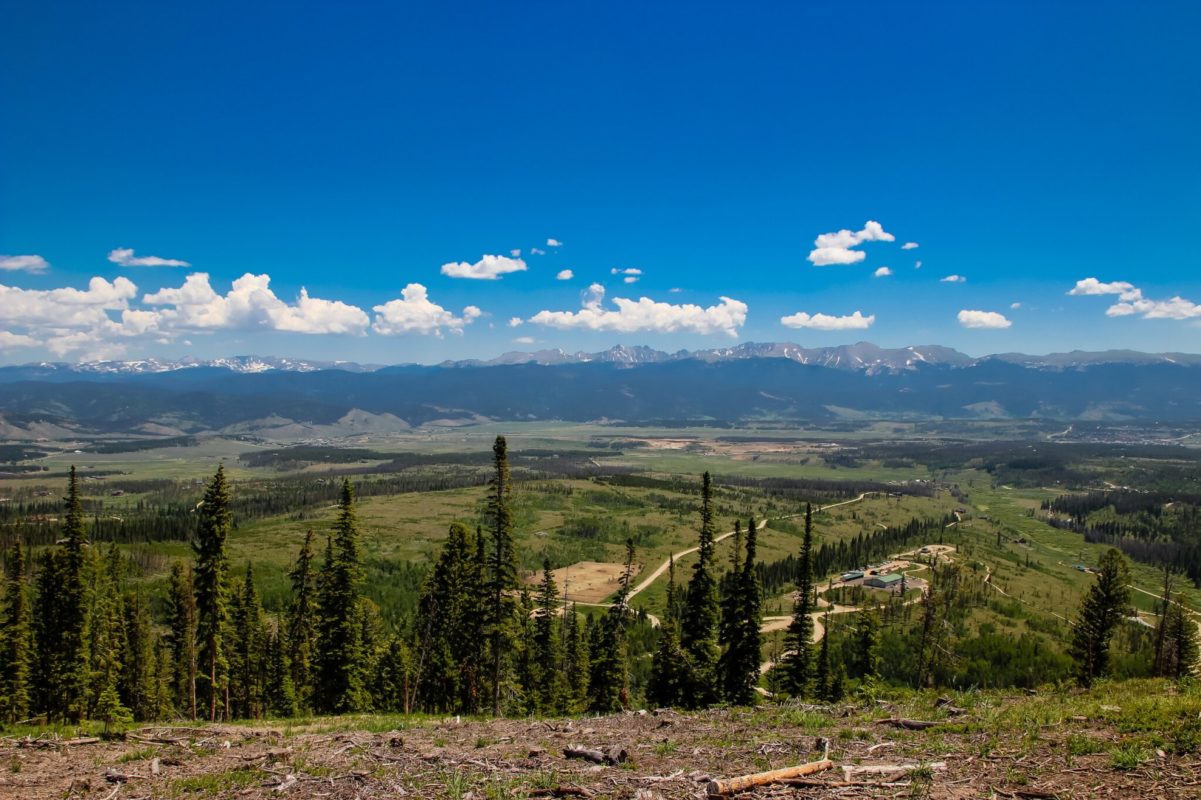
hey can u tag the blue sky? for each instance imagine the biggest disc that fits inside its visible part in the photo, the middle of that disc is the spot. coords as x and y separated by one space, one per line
353 150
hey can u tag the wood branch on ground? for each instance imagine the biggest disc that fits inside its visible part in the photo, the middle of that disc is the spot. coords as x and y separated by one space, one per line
729 786
910 724
849 772
562 791
613 756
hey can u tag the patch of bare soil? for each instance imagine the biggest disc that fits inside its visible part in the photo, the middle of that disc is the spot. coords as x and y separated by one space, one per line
642 755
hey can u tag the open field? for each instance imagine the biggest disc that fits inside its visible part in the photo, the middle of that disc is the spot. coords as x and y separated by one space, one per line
1118 740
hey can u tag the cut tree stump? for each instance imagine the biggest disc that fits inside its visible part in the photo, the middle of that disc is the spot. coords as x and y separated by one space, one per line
729 786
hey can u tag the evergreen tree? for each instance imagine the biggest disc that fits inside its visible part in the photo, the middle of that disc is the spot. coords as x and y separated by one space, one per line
209 578
865 661
576 666
301 624
139 669
279 693
339 683
1099 615
608 684
71 627
665 688
16 639
49 656
502 574
550 688
798 658
698 628
181 637
825 673
740 667
1176 637
445 625
106 642
247 651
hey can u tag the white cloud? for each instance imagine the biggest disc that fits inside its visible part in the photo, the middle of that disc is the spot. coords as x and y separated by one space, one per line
882 272
983 319
645 314
826 322
564 275
515 322
675 290
1015 306
537 251
9 340
917 265
515 252
250 305
488 268
1092 286
123 256
66 307
30 263
835 248
524 340
629 271
1133 302
909 246
553 243
630 279
414 312
953 279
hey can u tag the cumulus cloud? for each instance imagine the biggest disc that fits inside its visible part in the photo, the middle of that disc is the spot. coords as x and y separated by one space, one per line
9 340
524 340
630 271
414 312
826 322
836 248
488 268
553 243
564 275
69 319
909 246
515 321
1015 306
645 314
515 252
630 279
970 318
1132 301
882 272
124 257
537 251
917 265
29 263
250 305
953 279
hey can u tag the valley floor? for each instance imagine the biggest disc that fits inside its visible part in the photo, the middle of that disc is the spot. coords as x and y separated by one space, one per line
1139 739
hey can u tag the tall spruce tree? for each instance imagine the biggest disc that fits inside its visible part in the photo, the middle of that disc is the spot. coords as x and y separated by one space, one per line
247 651
798 657
301 630
865 660
741 660
577 665
502 573
444 626
106 639
729 628
665 688
698 627
550 687
609 682
139 669
181 637
1099 615
71 628
212 593
16 639
279 693
339 684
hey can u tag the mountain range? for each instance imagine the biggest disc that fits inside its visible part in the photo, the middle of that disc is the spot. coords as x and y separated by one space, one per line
286 398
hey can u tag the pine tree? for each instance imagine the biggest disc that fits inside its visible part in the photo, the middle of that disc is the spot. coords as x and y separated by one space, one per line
339 684
698 628
608 684
1100 614
798 659
49 672
301 624
865 661
551 686
139 669
665 688
1176 640
247 651
502 575
106 642
445 626
576 666
212 593
825 673
181 637
16 639
71 626
741 665
279 692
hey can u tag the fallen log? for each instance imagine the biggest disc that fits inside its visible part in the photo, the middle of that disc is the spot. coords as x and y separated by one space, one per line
910 724
729 786
562 791
613 756
849 772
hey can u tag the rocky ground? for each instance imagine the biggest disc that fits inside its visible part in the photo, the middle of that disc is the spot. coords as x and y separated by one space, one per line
994 747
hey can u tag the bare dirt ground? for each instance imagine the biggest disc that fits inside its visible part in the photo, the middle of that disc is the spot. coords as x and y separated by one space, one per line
585 581
667 755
